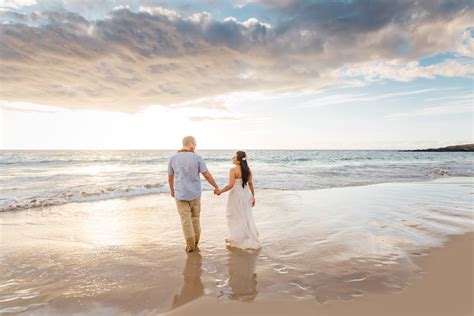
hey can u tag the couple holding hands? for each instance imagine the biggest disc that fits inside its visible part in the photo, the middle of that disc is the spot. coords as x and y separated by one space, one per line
184 169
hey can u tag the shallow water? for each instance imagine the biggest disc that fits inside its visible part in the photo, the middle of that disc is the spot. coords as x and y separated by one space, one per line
43 178
124 256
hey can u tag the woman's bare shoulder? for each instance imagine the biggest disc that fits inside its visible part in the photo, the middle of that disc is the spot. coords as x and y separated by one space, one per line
236 172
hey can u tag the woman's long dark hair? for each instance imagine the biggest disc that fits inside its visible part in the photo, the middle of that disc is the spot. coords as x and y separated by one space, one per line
242 158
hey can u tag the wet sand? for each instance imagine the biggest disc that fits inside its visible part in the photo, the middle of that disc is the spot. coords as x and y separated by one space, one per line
360 248
444 288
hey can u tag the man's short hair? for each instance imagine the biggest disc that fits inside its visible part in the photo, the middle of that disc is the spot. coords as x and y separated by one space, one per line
188 140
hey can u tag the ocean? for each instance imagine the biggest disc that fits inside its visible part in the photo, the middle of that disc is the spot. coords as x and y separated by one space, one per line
44 178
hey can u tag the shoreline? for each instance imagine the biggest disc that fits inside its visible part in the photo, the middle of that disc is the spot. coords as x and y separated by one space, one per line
98 198
444 288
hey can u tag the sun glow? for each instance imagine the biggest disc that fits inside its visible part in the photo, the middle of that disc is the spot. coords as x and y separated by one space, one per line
100 229
151 128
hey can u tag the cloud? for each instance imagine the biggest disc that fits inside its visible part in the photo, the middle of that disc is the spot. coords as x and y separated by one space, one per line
400 71
344 98
455 104
349 98
436 110
26 107
466 44
128 59
170 14
12 109
212 118
16 4
214 104
462 98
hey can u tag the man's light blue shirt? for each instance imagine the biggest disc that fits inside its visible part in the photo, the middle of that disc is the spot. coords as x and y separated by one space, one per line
186 167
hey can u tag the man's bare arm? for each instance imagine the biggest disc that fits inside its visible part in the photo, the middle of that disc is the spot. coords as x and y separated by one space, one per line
210 179
171 184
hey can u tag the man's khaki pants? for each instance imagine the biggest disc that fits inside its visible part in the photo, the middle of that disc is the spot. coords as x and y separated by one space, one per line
189 211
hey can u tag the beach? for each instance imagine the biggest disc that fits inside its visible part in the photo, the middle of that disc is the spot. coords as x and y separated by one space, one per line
393 248
445 288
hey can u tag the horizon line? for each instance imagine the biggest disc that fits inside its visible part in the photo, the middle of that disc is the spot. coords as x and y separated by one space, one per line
206 149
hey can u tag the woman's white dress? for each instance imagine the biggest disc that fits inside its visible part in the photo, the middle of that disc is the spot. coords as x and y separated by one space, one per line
242 230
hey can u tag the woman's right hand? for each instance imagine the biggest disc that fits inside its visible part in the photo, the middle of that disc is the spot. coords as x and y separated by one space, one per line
253 202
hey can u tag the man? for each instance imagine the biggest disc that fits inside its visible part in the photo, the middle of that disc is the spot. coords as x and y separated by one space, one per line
185 186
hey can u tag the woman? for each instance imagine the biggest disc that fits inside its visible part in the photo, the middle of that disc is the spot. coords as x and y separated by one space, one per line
242 230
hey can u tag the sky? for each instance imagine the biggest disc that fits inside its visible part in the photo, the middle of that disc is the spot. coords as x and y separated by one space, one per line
241 74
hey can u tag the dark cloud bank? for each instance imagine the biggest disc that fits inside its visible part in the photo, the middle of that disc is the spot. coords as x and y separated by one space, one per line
129 60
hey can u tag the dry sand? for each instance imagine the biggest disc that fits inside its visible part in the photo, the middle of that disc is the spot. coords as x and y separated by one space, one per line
445 288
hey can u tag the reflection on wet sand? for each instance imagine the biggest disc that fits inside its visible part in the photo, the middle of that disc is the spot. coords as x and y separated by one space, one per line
242 282
192 285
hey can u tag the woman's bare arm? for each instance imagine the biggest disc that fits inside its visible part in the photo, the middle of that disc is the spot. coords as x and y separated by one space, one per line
231 182
250 184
